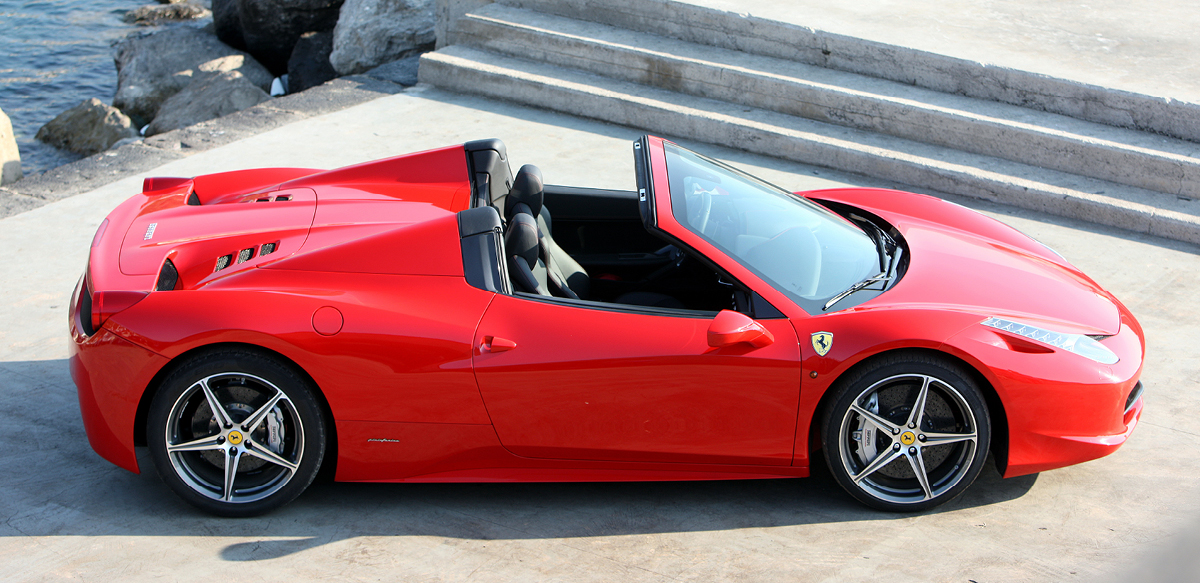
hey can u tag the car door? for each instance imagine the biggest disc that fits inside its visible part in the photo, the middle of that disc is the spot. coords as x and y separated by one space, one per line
566 379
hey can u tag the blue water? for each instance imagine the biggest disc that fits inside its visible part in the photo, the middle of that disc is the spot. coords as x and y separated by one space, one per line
53 55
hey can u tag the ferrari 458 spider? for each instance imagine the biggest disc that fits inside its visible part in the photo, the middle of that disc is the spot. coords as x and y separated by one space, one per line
423 318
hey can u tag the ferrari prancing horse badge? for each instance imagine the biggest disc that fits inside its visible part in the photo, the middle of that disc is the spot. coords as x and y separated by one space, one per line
822 342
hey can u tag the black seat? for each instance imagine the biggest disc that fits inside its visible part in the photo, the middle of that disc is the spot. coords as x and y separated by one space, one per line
564 276
525 266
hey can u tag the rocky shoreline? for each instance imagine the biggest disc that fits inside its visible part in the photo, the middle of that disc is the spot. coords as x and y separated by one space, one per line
253 51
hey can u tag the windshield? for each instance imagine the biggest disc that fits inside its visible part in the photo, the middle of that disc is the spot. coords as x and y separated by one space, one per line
797 246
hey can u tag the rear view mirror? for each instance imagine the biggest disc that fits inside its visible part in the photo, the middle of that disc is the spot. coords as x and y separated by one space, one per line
730 327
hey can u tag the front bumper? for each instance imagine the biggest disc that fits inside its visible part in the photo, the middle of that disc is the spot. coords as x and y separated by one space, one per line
1061 408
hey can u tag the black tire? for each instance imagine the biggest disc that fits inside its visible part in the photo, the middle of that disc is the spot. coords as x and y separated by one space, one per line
875 452
270 427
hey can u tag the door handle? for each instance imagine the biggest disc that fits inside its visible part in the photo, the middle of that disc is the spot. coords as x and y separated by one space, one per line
496 344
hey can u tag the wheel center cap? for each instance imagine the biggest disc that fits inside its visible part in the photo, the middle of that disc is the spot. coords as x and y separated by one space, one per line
907 438
235 437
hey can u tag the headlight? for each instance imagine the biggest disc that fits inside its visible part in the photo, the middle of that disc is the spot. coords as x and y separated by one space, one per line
1082 345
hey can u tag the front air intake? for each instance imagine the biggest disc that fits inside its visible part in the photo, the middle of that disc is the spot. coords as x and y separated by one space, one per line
1134 395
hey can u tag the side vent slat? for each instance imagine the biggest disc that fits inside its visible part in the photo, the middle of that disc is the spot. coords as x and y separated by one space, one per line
267 248
223 262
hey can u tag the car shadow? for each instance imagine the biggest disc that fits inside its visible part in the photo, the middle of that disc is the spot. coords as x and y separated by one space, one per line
53 484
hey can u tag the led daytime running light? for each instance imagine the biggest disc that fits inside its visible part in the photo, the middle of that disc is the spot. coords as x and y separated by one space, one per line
1078 343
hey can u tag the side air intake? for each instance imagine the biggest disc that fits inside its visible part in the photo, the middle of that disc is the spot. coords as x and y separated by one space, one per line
168 277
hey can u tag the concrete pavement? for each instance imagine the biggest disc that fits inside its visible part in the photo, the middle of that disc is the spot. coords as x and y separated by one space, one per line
67 514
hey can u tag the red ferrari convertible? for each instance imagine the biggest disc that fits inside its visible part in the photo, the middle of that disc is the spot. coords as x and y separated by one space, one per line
425 318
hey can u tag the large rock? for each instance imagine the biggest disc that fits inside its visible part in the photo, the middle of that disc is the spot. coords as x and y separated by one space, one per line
226 23
210 95
401 72
309 65
153 67
87 128
10 156
370 33
272 27
155 14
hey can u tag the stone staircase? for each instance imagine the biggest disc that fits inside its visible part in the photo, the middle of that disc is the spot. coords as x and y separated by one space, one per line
619 61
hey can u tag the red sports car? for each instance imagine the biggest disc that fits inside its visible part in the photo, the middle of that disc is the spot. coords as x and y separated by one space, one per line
424 318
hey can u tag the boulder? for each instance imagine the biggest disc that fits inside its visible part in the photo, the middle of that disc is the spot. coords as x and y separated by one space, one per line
309 65
272 27
151 68
226 24
402 72
87 128
210 95
370 33
155 14
10 156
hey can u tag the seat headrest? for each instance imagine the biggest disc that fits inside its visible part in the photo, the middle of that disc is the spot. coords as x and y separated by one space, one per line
521 238
527 190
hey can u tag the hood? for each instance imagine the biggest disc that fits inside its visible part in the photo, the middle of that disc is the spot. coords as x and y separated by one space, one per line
953 268
961 259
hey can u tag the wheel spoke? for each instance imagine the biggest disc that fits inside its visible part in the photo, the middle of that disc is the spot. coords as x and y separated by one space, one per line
918 410
257 450
202 444
944 438
917 461
880 460
252 422
231 466
876 419
219 411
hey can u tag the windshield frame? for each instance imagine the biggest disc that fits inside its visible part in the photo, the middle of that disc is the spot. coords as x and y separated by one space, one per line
659 214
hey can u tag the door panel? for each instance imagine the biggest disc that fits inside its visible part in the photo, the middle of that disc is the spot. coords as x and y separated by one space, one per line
601 384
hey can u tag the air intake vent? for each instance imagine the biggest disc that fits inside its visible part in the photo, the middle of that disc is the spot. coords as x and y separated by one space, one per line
245 255
168 277
223 262
283 198
1134 395
267 248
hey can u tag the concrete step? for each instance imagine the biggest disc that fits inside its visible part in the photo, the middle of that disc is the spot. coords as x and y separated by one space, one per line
470 70
990 128
746 33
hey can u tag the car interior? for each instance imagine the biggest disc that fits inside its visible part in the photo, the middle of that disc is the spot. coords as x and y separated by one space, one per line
594 247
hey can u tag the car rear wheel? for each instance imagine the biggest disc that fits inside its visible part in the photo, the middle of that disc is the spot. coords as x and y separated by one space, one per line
906 433
236 433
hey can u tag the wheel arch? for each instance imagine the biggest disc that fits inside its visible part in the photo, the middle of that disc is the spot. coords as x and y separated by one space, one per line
328 467
996 412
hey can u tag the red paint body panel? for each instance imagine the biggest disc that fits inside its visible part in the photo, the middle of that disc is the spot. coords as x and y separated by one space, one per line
433 452
212 188
103 367
431 379
586 383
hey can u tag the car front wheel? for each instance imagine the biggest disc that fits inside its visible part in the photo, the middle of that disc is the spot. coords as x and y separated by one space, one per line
236 433
906 433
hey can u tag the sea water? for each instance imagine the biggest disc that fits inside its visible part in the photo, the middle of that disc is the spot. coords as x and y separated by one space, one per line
55 54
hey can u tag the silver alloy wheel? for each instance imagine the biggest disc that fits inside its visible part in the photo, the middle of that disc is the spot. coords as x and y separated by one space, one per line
234 437
908 438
